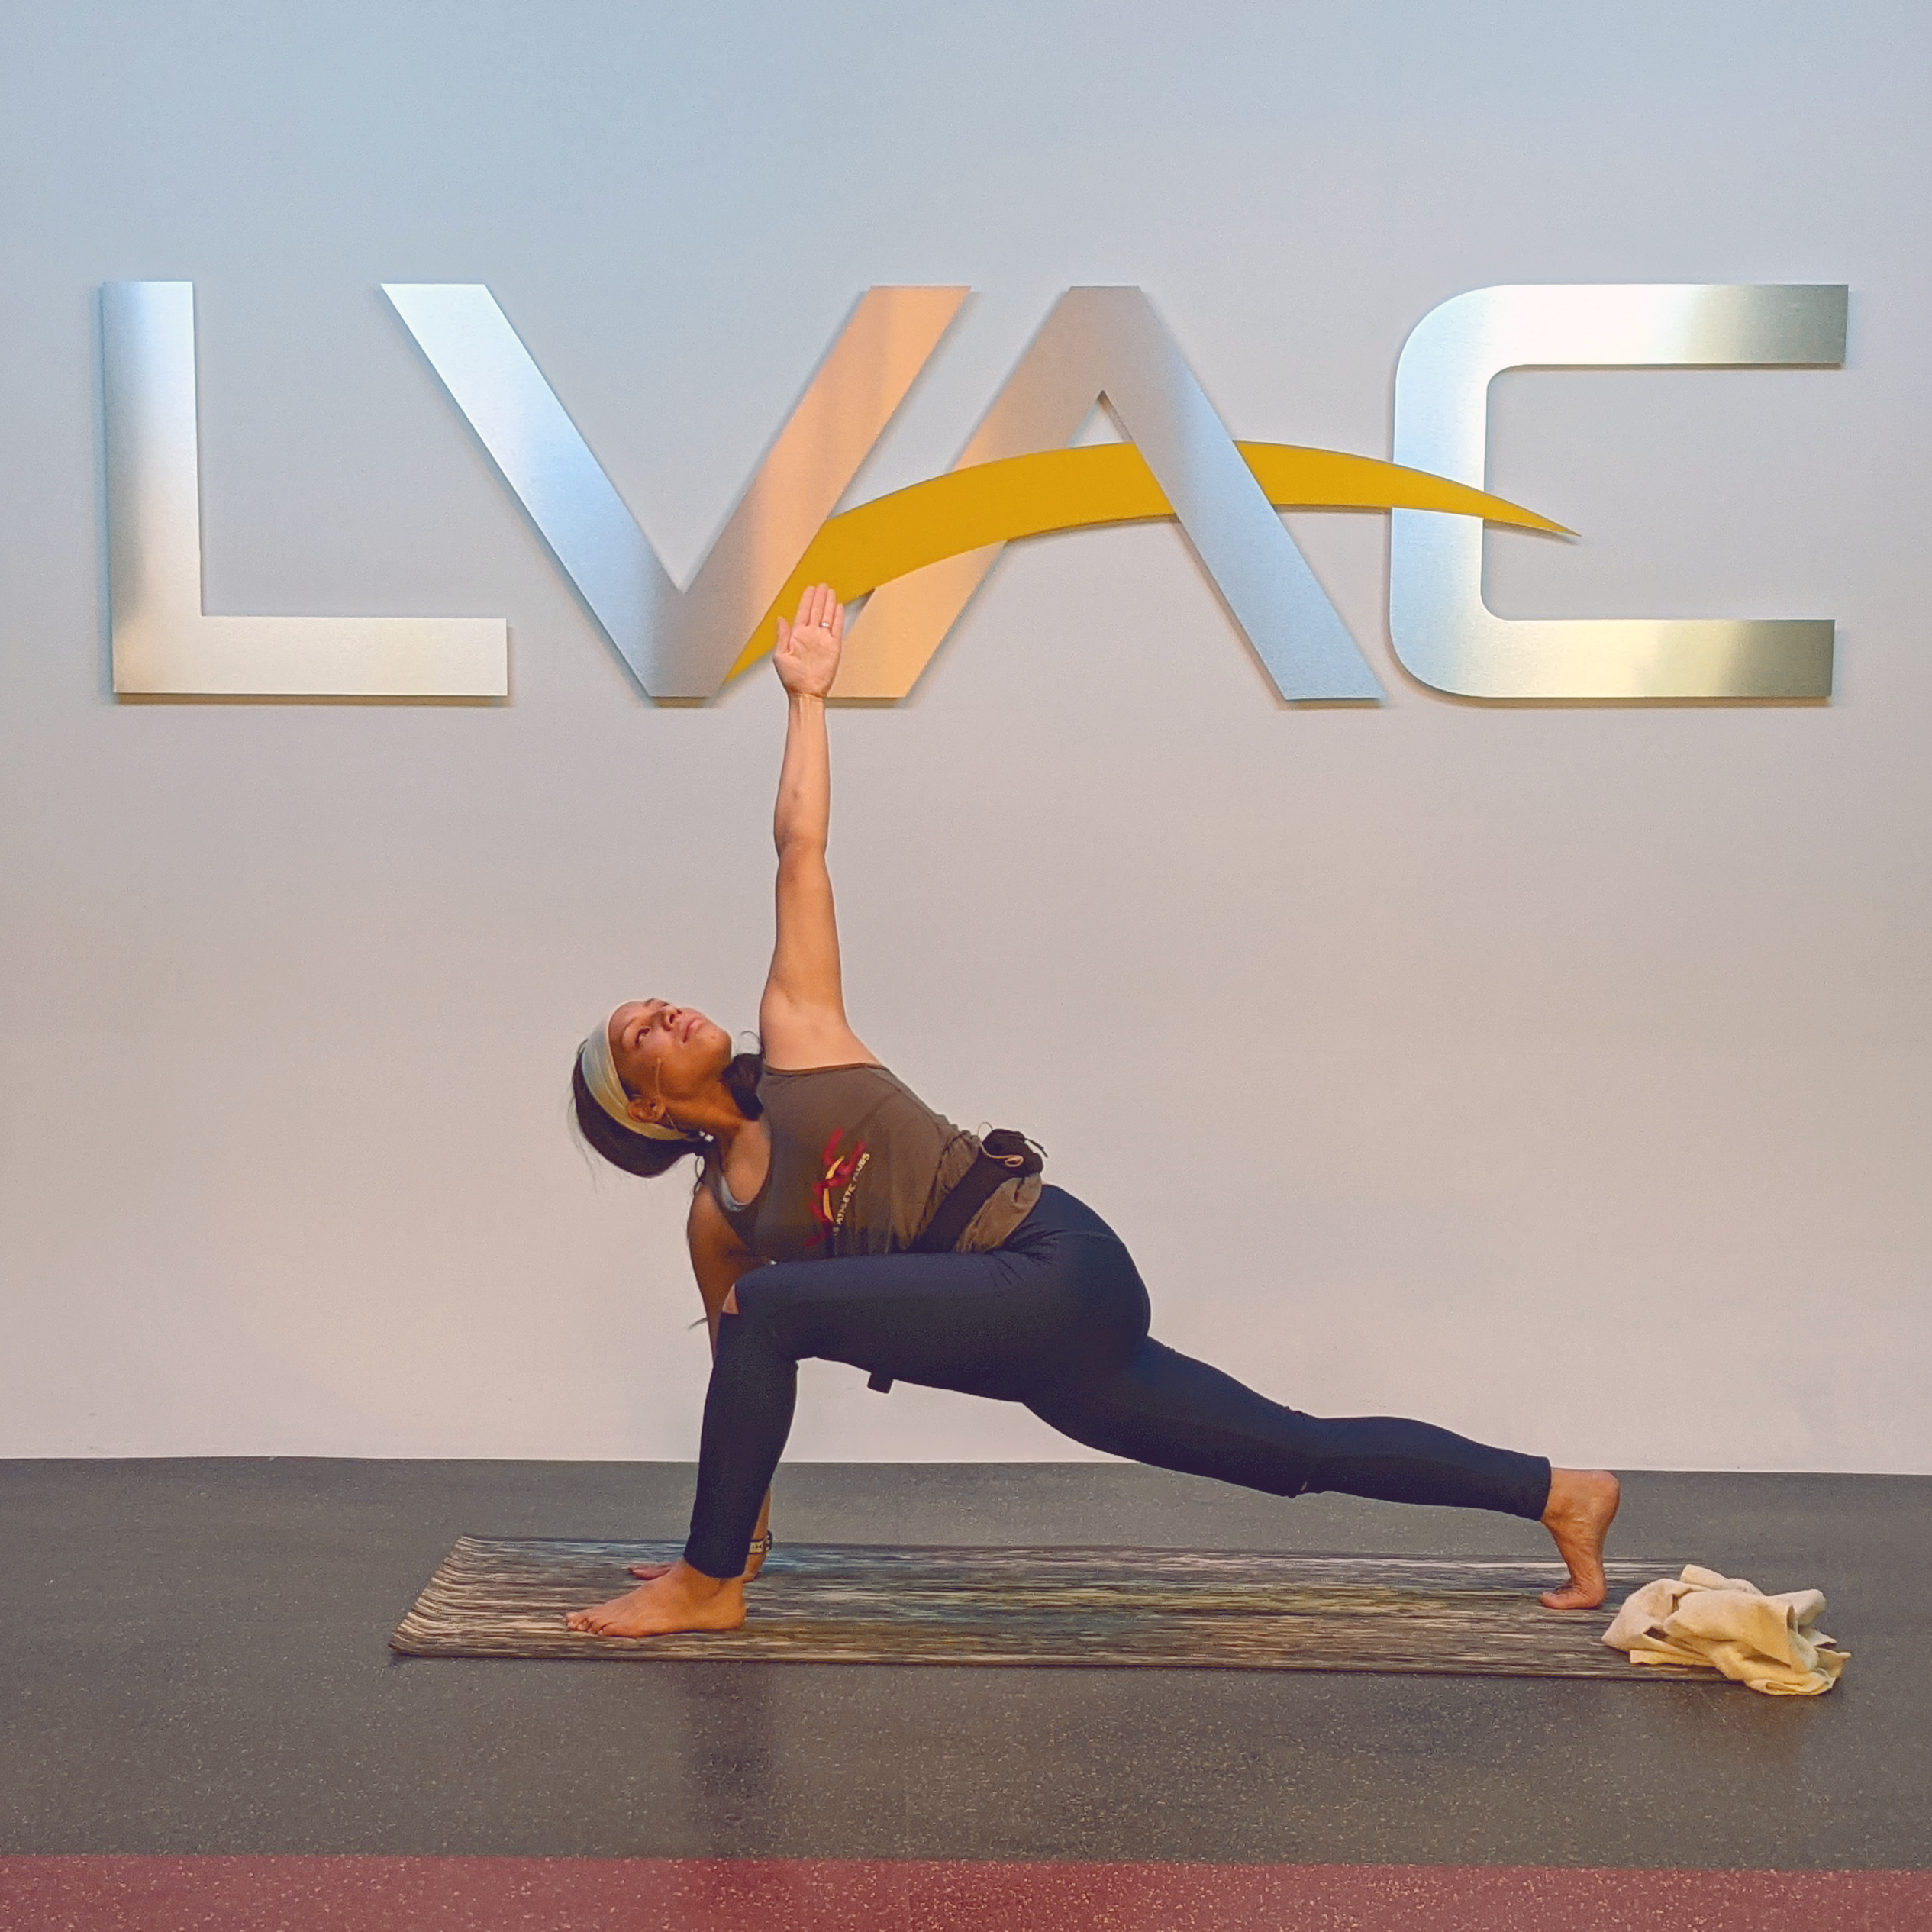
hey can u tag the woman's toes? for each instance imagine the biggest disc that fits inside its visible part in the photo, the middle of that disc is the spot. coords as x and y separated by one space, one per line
1573 1596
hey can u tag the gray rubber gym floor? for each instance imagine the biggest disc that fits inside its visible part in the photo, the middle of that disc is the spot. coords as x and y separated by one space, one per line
194 1661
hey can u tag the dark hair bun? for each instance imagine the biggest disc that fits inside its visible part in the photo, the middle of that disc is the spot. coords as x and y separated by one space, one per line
741 1079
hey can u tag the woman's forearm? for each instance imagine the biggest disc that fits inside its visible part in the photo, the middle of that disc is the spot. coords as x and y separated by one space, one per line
801 1016
803 814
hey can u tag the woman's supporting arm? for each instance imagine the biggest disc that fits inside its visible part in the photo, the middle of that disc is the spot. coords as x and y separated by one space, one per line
720 1260
801 1018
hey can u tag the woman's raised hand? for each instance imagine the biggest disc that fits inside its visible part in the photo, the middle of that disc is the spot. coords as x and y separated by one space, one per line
808 647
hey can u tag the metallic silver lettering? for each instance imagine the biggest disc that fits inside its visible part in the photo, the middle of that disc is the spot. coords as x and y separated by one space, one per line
1442 631
1109 342
677 644
163 642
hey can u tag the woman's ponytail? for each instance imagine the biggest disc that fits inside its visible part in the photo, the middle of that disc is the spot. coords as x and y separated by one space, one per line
741 1078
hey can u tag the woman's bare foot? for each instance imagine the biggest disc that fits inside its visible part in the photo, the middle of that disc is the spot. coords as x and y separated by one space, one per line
681 1599
1583 1504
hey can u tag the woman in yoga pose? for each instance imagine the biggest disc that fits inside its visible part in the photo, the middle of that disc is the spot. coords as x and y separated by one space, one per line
822 1183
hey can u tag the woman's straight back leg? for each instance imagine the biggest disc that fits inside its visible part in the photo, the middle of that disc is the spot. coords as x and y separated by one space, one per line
1166 1409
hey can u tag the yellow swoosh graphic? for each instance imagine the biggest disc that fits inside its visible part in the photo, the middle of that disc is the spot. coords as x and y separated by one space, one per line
967 509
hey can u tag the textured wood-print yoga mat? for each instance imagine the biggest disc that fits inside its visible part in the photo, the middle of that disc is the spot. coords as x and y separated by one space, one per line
1233 1610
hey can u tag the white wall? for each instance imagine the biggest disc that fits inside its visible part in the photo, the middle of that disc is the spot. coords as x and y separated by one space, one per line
1560 1074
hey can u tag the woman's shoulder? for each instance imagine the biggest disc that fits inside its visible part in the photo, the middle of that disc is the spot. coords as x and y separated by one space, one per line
707 1220
717 1220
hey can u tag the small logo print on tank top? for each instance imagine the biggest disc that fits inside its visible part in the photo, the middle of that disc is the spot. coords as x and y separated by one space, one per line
838 1183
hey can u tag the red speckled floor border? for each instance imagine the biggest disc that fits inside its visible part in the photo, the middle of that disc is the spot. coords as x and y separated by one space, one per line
356 1894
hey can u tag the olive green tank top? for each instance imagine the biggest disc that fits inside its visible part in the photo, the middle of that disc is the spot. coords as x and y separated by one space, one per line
859 1165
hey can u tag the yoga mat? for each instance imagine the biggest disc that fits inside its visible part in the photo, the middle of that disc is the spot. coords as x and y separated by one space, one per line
1232 1610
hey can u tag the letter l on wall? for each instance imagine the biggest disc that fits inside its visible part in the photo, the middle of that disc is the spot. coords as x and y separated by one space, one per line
164 643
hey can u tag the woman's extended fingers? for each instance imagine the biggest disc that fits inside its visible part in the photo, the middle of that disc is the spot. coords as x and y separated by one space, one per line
819 609
806 656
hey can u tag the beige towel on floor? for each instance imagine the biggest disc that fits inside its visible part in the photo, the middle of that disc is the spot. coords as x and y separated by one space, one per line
1771 1643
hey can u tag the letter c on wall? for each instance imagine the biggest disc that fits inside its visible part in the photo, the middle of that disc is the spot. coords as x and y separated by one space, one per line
1442 631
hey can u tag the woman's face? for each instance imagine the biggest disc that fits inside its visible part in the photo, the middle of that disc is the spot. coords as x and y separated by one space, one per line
666 1053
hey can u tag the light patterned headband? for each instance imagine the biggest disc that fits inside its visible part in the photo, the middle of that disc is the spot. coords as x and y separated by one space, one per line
600 1074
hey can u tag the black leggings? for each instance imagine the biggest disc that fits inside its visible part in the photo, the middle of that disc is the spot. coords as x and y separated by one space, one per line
1056 1319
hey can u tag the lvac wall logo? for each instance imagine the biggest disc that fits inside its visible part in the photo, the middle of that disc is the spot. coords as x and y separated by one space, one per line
918 555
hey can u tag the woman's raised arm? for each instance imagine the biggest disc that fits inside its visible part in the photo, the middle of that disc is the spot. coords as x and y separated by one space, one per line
801 1018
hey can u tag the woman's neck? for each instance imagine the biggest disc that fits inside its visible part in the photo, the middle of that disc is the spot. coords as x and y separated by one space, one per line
712 1111
717 1114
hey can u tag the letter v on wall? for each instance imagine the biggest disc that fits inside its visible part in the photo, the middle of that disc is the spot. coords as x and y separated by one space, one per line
677 644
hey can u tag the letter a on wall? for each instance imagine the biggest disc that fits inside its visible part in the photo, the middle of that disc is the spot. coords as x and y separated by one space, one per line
1108 343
